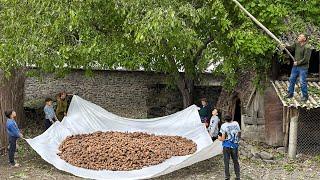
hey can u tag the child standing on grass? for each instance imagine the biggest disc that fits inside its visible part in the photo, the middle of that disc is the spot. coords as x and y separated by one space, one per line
14 134
49 113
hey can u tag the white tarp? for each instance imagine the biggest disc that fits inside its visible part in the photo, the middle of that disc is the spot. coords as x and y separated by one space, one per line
86 117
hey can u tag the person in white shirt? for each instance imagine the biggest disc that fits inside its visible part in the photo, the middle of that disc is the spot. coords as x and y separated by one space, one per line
230 135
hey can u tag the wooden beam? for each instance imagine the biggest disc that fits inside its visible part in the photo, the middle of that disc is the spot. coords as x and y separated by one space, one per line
251 97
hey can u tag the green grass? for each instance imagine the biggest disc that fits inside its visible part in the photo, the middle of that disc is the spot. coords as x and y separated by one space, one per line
317 159
20 175
279 156
289 167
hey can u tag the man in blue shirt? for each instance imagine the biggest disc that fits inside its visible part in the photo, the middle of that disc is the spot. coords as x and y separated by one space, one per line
13 134
230 134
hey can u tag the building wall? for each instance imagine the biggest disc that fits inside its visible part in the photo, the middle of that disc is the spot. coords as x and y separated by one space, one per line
274 118
262 118
132 94
253 122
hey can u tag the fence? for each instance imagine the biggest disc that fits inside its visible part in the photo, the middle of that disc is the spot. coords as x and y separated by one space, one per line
309 132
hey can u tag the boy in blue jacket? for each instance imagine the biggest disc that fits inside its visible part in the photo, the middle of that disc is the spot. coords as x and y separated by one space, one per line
14 134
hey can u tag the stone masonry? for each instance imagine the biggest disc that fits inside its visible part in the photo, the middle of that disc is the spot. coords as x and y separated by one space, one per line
134 94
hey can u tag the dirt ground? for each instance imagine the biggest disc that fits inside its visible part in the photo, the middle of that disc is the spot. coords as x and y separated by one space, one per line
33 167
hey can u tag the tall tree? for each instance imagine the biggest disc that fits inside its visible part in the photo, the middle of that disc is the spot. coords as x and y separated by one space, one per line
165 36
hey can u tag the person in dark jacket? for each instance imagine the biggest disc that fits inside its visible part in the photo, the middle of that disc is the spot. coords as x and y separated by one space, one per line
300 66
14 134
62 105
204 111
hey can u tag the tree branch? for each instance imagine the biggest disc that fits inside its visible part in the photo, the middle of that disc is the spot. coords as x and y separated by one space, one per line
98 28
201 49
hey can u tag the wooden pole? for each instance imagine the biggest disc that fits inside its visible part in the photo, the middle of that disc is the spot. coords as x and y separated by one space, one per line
263 27
284 122
286 135
293 134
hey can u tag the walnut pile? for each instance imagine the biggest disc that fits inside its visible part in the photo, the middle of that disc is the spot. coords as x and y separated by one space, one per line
119 151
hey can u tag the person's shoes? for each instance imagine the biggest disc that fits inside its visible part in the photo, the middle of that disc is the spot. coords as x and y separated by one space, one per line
289 95
16 165
304 99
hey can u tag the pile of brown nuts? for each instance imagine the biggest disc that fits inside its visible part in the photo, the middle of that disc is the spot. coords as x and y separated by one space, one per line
119 151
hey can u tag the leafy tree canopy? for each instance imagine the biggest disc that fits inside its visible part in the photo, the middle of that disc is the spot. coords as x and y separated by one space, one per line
165 36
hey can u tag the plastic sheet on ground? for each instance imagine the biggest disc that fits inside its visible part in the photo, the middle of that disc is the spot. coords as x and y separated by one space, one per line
86 117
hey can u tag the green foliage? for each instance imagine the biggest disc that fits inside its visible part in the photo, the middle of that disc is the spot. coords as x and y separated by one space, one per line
165 36
289 167
317 159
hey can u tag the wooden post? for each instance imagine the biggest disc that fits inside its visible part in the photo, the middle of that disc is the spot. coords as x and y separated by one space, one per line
292 149
284 122
286 135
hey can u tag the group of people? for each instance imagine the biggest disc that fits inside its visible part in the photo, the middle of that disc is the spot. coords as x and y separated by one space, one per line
62 105
51 116
229 134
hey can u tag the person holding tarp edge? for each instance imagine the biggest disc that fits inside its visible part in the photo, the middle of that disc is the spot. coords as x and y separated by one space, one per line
300 66
204 111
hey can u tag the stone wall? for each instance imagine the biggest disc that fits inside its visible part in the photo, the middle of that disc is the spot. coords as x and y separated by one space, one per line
162 100
134 94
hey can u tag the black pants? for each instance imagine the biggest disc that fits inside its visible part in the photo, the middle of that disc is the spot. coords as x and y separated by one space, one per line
12 149
47 123
227 152
214 138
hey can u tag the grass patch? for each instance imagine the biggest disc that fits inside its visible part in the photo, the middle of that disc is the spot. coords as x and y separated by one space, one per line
21 175
289 167
279 156
317 159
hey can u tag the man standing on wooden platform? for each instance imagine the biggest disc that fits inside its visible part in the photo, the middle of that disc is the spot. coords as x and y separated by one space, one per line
300 66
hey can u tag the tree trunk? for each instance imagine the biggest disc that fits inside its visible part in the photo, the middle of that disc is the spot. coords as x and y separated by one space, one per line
11 97
186 87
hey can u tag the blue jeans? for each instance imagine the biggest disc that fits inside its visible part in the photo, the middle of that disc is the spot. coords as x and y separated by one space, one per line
12 149
302 72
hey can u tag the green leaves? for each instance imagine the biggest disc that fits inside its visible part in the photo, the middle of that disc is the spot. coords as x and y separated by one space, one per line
165 36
